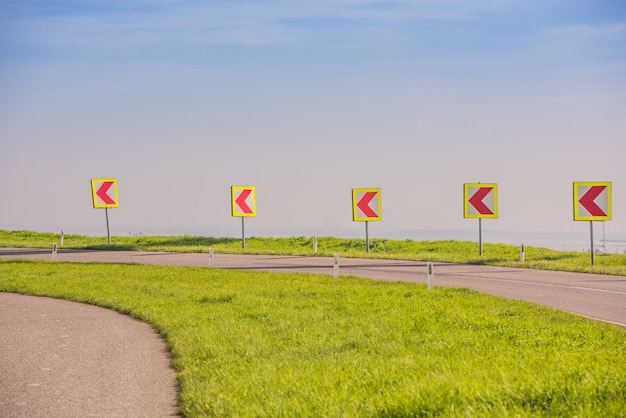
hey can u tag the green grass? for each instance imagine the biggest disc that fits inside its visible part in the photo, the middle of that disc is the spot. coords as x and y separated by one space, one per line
439 251
254 344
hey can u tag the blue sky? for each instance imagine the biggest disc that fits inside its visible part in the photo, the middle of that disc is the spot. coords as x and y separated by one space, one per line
306 100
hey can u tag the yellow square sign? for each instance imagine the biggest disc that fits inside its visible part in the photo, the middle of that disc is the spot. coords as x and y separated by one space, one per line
592 201
243 201
104 193
367 205
480 200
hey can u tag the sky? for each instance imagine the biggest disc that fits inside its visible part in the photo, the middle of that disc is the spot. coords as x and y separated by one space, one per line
306 100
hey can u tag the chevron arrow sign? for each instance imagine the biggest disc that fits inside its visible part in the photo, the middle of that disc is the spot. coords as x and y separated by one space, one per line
104 193
592 201
480 200
243 201
366 205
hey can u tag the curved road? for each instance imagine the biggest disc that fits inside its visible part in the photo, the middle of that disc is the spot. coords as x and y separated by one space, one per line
599 297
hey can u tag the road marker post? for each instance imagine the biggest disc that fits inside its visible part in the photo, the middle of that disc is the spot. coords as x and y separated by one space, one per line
62 237
54 251
522 253
210 257
336 266
431 275
315 244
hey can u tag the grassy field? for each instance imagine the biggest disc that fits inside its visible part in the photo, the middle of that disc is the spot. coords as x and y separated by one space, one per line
439 251
253 344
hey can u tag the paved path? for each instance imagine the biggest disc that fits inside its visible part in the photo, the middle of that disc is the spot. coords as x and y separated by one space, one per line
66 359
75 366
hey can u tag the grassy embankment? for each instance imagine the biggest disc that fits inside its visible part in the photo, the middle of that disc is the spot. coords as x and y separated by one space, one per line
438 251
254 344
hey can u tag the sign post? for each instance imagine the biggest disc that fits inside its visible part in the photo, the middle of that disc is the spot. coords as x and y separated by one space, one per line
243 204
480 201
592 202
367 237
104 195
367 206
480 236
106 215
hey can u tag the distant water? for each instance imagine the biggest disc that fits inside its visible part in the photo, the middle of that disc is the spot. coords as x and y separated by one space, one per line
555 241
603 243
580 245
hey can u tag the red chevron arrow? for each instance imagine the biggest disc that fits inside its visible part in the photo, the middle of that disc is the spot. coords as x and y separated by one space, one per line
477 201
588 200
102 193
363 204
241 201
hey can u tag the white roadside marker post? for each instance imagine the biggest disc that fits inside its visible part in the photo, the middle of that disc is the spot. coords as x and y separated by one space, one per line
336 266
522 253
431 275
210 257
54 251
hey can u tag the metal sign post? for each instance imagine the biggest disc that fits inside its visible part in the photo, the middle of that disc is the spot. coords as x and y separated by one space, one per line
243 234
106 214
367 237
480 236
593 255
